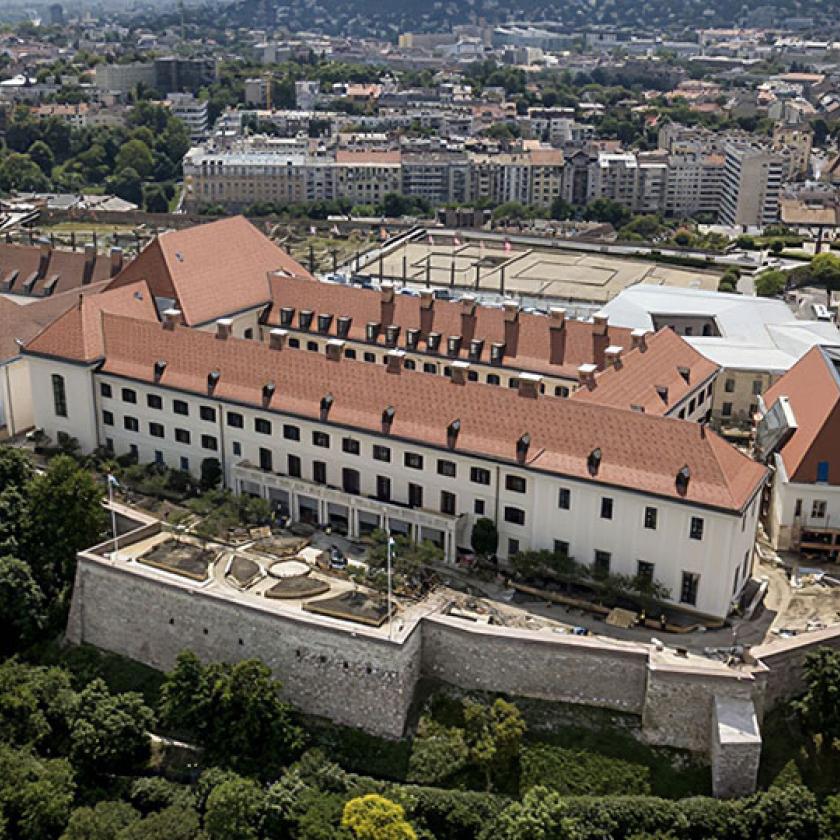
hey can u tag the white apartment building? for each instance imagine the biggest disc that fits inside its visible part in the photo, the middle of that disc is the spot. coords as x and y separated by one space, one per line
751 185
191 111
694 184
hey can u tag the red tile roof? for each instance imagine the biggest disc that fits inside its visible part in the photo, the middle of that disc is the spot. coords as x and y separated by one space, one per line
640 452
77 334
211 270
528 347
69 266
812 387
22 322
643 373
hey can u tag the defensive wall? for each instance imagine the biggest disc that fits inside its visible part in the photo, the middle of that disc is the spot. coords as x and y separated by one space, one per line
357 676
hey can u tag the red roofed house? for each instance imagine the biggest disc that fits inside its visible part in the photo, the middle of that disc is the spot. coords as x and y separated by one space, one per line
799 434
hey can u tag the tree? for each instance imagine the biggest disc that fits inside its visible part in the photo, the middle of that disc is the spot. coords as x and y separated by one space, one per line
109 732
819 707
65 516
104 821
607 210
825 269
42 155
770 283
154 199
126 184
541 815
136 155
729 280
561 209
374 817
493 735
19 172
23 612
177 822
235 712
830 818
235 810
15 468
485 537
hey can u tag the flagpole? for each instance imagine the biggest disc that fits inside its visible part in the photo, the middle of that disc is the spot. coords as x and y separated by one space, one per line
113 516
390 614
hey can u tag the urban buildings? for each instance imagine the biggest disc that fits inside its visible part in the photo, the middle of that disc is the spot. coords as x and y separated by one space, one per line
751 186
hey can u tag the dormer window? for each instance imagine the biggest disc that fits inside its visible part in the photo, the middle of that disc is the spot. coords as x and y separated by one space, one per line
497 352
476 349
412 336
343 326
452 431
522 446
213 380
268 392
324 323
160 367
433 342
305 318
326 404
683 477
372 331
287 314
388 418
453 345
392 335
593 461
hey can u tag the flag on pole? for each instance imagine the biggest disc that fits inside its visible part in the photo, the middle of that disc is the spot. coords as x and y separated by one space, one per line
112 480
455 240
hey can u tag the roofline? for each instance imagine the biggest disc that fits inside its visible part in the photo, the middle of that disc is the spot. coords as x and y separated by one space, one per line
732 511
230 314
25 351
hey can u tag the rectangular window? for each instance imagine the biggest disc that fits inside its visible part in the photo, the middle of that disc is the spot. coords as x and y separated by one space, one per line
182 436
319 472
237 447
180 407
822 471
207 413
478 507
726 409
350 481
59 395
266 459
321 439
235 420
413 461
688 590
185 464
154 401
209 442
651 515
818 507
131 423
515 483
447 502
294 466
262 426
514 515
383 488
105 389
159 457
291 432
644 571
129 395
729 386
513 547
756 387
606 508
564 498
415 495
696 529
108 418
156 430
601 565
478 475
350 446
381 453
561 547
446 468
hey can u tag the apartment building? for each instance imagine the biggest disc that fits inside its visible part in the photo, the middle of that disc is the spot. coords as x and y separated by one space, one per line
329 439
694 184
366 177
795 140
191 111
752 182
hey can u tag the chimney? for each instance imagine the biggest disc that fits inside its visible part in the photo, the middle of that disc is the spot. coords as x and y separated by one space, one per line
224 328
511 308
386 303
90 262
427 299
639 340
523 444
468 317
335 349
277 339
116 261
460 369
44 261
599 323
386 292
593 461
395 361
557 335
171 317
529 385
586 375
685 373
452 432
613 356
213 380
683 477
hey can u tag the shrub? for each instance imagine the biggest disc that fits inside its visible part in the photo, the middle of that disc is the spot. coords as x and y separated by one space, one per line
581 773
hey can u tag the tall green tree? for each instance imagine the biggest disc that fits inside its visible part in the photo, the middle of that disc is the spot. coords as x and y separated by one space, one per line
493 735
235 810
373 817
136 155
23 613
819 707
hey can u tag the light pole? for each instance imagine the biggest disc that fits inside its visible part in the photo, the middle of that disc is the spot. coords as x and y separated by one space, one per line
390 614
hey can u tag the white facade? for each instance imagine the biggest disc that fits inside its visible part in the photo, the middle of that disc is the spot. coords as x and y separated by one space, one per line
533 510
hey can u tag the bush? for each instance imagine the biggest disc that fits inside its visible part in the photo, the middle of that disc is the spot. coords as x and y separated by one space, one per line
770 283
485 537
580 773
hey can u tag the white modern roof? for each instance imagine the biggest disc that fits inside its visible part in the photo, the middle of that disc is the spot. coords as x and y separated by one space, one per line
755 333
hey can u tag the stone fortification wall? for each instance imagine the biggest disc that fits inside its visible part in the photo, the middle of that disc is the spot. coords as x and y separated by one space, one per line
538 664
353 679
783 660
